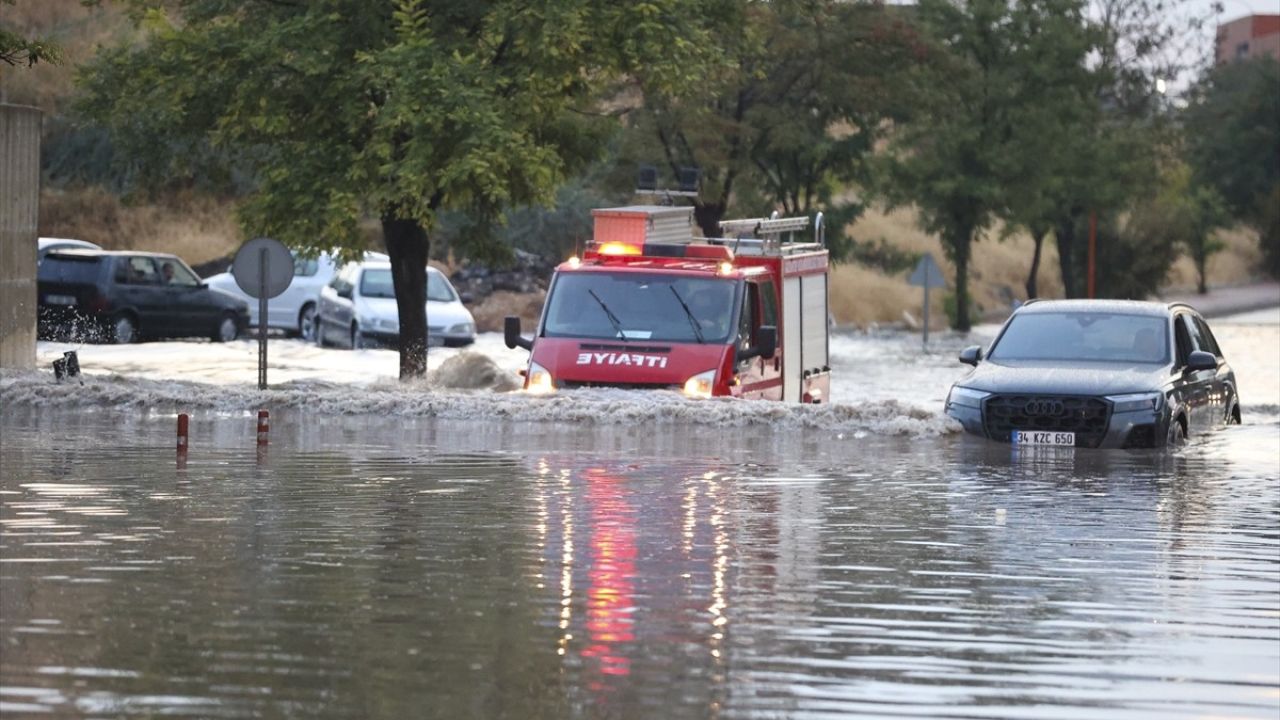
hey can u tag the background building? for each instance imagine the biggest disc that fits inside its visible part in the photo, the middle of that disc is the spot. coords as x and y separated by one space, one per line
1248 37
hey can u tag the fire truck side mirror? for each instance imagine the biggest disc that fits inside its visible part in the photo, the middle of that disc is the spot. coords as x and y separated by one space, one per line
767 341
766 344
511 333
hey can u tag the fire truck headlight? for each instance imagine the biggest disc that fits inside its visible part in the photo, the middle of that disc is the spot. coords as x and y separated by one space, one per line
700 385
540 380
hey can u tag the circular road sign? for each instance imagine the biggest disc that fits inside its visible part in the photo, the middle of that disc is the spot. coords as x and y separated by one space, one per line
249 267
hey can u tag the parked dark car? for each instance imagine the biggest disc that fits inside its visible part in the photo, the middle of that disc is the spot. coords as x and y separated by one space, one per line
127 296
1097 373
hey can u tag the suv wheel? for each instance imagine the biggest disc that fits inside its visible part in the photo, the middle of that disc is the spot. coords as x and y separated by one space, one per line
228 329
124 330
357 338
1177 434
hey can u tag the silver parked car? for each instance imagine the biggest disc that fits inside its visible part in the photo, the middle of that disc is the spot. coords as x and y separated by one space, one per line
358 308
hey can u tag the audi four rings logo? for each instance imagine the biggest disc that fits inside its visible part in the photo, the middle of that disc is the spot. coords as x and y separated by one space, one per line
1044 407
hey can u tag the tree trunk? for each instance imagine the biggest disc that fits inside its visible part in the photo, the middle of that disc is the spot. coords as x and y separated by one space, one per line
1202 263
407 244
960 243
708 217
1065 235
1038 236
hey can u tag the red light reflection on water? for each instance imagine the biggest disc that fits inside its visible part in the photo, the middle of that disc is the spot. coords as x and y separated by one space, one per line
611 586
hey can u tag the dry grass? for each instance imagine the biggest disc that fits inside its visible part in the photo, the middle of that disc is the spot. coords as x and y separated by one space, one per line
77 29
490 311
1236 264
997 274
195 228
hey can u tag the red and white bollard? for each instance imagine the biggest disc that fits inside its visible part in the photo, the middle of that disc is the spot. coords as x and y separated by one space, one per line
263 427
183 421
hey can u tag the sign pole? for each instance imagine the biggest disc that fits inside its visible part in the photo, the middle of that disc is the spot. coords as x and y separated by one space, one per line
262 318
926 315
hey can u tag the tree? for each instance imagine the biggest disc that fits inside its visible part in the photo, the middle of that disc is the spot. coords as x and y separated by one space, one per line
15 49
1141 48
1044 136
952 160
1207 213
1232 125
793 114
395 109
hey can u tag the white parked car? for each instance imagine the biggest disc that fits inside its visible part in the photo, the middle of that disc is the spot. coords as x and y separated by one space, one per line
294 310
358 308
44 246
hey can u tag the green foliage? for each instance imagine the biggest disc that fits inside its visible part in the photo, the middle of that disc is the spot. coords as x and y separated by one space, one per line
17 50
1233 139
967 157
951 309
1135 253
344 108
791 116
395 109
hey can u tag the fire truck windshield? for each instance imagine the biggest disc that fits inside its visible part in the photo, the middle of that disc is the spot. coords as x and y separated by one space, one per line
644 307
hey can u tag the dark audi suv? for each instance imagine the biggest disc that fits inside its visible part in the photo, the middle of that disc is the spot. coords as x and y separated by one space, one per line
1097 373
125 296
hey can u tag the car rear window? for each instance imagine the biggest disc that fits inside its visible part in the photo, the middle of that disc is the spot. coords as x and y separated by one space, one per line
69 269
1087 337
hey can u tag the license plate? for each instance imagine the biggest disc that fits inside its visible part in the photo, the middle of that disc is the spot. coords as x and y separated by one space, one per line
60 299
1039 437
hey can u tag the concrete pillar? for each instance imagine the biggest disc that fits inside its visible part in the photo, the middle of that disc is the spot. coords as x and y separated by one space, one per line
19 215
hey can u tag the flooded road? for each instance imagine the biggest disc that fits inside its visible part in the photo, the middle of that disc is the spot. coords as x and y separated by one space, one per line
388 567
410 551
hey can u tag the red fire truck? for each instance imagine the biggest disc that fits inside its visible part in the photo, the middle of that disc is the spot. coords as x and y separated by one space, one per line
649 306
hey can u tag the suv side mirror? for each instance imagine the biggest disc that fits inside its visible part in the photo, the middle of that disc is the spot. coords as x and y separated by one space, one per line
467 298
1201 360
511 334
971 355
344 292
766 344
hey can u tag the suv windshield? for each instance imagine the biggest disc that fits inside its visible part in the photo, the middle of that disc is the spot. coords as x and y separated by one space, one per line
376 283
70 268
644 307
1087 337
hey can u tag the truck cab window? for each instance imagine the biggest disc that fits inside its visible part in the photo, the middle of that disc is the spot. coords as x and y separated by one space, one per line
748 319
769 303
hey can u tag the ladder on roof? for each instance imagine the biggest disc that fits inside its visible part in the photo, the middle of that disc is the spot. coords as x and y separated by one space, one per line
763 236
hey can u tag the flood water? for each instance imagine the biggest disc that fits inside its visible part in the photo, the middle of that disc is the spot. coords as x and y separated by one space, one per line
404 551
392 567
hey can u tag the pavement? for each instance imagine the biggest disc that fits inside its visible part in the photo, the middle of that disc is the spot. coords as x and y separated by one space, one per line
1228 300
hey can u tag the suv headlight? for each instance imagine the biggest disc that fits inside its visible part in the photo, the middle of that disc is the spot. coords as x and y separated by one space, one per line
967 397
540 381
700 385
465 328
1134 402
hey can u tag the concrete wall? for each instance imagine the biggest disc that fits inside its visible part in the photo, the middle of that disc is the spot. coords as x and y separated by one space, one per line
19 214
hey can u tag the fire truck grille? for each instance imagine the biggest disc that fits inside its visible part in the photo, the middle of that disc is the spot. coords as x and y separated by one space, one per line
1085 416
574 384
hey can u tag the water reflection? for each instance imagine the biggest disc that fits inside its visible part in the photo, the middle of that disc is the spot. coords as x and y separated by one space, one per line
392 568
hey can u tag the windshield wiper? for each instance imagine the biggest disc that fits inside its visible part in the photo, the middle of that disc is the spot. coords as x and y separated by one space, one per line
617 324
693 321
